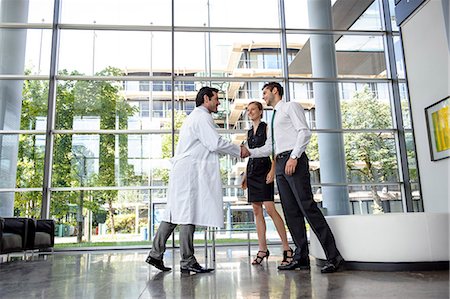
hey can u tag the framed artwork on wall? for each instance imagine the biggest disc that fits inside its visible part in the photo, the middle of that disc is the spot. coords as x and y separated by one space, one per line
438 126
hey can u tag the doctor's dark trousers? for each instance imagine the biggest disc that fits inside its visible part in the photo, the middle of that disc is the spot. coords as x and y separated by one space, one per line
186 242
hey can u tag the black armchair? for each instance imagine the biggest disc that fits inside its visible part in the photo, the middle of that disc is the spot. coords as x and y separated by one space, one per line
41 234
13 235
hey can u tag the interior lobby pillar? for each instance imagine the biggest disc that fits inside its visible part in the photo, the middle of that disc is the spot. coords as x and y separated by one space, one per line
12 60
328 113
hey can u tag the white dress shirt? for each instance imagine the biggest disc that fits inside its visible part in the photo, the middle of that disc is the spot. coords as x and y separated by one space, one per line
290 129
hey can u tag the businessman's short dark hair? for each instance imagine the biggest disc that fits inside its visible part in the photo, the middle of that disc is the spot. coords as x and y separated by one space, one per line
277 85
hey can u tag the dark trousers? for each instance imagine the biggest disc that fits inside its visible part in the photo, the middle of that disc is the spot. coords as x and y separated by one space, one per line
298 203
186 242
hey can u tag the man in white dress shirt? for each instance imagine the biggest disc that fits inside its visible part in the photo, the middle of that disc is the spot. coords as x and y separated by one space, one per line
195 187
291 135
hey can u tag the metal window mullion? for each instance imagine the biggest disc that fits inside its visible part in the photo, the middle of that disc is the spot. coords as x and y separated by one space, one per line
284 60
209 41
411 131
22 132
345 131
110 188
23 77
111 78
16 190
312 31
173 94
173 80
111 132
199 79
51 110
25 26
402 156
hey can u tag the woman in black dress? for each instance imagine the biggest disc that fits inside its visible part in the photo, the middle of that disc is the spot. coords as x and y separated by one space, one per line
259 179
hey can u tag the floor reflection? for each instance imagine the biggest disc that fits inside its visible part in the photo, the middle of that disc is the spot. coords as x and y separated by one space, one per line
124 274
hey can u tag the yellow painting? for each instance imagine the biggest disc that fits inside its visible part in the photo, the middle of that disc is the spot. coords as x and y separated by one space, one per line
441 129
438 125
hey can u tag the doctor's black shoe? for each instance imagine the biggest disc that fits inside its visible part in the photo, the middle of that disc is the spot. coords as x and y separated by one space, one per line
195 268
159 264
333 265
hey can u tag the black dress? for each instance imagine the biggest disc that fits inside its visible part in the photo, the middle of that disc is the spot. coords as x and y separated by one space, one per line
258 168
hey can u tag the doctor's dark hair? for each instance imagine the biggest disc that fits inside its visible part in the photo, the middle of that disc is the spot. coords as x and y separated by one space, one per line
271 85
206 90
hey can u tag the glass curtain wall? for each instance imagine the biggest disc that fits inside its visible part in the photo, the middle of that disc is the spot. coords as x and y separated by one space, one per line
93 92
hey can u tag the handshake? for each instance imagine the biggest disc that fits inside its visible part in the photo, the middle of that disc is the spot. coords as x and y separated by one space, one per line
244 152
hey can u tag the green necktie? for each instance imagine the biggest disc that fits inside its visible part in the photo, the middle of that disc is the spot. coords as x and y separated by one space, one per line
273 139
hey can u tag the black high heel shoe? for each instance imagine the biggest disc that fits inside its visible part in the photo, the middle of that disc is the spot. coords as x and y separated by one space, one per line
287 259
259 258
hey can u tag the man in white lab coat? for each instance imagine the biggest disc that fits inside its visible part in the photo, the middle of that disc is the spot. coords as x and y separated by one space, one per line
195 187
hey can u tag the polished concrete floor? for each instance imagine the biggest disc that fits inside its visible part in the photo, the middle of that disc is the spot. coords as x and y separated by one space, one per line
124 274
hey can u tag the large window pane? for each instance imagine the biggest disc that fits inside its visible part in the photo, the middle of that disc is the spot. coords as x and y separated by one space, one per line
104 216
399 59
129 12
30 54
28 204
26 104
30 161
86 160
393 18
228 54
353 56
412 159
38 11
406 112
346 14
362 105
21 160
230 13
375 199
88 52
369 157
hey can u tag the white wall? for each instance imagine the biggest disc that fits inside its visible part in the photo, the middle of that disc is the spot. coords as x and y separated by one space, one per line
426 46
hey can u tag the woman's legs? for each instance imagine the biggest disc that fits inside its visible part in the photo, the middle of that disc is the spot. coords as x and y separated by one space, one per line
260 225
278 221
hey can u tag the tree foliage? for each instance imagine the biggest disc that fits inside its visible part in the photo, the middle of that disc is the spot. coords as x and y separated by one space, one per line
73 165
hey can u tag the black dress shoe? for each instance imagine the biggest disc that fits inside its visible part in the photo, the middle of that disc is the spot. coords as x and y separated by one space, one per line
302 264
195 268
159 264
333 265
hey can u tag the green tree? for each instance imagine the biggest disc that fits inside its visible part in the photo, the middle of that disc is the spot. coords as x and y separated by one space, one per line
62 173
375 150
101 99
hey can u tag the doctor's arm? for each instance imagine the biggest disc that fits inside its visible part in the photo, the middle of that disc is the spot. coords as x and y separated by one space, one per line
210 138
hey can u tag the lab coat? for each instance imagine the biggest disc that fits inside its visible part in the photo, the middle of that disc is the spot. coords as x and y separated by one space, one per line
195 188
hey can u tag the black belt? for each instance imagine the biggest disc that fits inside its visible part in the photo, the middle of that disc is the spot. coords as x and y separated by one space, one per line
284 154
258 159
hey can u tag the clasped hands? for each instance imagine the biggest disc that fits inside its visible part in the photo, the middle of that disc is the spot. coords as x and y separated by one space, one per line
244 151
